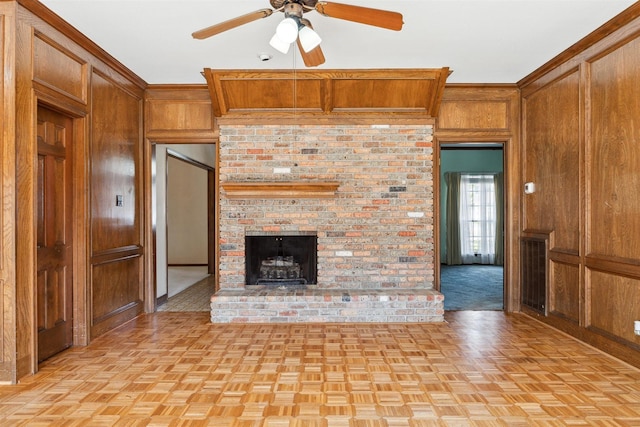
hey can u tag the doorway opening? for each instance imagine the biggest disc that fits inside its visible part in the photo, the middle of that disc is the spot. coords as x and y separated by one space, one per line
472 226
184 216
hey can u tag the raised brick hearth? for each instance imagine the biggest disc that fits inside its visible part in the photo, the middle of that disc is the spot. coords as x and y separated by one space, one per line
326 305
365 191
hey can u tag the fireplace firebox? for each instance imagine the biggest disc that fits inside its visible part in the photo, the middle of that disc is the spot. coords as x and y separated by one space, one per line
281 260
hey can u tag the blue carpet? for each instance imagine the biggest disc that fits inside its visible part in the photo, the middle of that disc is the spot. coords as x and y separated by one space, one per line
472 287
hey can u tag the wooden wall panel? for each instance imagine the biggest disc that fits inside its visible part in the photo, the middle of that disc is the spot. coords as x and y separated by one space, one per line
614 204
115 166
117 279
59 69
392 94
171 115
25 243
474 115
116 293
564 295
255 95
551 160
614 305
7 198
179 113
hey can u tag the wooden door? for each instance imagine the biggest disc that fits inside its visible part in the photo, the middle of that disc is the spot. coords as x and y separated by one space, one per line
54 291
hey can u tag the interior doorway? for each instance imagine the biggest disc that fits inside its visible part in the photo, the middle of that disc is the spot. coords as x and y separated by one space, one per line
187 225
183 197
472 226
54 285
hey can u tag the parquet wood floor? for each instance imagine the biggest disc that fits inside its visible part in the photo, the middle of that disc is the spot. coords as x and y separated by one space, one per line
478 369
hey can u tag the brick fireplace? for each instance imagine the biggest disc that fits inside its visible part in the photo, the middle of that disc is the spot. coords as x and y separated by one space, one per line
364 191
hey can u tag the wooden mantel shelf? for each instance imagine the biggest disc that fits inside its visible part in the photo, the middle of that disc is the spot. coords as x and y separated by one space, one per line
280 190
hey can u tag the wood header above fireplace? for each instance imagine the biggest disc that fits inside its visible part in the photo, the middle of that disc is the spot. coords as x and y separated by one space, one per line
394 94
280 190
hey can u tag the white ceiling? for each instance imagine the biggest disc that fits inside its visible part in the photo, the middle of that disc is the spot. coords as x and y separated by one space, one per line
482 41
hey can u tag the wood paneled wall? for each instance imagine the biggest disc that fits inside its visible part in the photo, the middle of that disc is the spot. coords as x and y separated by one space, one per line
179 114
7 193
176 114
116 232
488 114
581 148
45 61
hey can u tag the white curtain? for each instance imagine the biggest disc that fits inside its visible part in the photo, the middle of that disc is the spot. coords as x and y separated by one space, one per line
477 218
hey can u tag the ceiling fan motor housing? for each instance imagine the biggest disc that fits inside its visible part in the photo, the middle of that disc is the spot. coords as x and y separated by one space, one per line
302 5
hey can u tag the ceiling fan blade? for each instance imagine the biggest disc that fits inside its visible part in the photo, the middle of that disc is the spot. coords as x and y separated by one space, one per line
313 58
231 23
362 15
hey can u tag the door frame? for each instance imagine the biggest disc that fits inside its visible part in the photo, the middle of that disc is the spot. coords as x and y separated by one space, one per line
509 159
151 214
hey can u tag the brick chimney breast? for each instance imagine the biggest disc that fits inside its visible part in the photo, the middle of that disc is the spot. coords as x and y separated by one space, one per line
375 232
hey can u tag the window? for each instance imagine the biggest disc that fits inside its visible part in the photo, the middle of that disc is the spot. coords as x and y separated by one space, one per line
477 218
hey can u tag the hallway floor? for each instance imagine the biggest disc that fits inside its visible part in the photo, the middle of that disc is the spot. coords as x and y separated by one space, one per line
180 278
196 297
477 369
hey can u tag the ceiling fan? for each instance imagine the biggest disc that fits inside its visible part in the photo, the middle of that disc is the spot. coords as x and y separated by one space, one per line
297 28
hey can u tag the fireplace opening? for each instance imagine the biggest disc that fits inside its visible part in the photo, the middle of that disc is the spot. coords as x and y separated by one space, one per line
281 260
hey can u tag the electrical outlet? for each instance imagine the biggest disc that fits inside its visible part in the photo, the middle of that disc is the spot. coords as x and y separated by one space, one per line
119 200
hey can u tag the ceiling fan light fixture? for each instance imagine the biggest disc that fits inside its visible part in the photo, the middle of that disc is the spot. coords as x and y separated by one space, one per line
279 45
287 30
295 26
309 39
